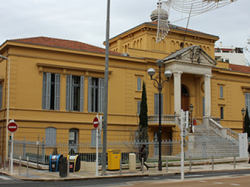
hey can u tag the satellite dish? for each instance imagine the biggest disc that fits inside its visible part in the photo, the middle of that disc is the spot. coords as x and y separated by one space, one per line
191 7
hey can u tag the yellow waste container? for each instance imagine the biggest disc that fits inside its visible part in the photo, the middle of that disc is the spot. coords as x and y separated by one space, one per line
114 156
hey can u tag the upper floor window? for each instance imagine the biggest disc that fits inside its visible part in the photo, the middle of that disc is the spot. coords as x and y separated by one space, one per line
247 101
221 91
139 83
51 91
74 93
138 107
1 96
221 112
96 95
156 104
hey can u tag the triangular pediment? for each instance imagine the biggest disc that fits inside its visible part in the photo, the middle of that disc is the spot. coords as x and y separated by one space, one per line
192 54
193 60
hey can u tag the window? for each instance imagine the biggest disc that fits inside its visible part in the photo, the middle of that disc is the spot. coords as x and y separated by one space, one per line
138 107
247 101
221 91
73 136
156 104
51 91
74 93
221 112
50 136
96 95
93 138
139 83
227 60
203 106
1 96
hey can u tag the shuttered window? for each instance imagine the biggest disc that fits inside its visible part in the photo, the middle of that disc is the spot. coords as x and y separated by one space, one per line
1 96
51 91
139 83
156 104
138 107
95 95
74 93
50 137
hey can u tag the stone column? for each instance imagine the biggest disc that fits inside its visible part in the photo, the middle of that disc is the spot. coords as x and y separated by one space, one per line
177 92
207 85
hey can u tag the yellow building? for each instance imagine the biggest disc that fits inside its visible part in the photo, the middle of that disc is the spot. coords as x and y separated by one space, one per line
56 86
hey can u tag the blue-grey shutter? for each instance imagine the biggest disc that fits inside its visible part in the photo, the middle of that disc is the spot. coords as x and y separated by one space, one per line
48 92
1 96
50 136
203 106
221 91
90 94
57 91
44 91
156 104
100 94
68 92
139 83
81 93
138 107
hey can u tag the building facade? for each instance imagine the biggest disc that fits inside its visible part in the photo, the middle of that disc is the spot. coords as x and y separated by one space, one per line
56 86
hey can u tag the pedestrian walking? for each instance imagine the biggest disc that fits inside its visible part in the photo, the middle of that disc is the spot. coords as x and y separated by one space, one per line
143 154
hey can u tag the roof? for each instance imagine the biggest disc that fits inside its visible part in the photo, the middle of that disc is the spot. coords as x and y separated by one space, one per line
62 43
239 68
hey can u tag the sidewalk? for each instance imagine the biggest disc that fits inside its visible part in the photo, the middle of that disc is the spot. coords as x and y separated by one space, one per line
174 168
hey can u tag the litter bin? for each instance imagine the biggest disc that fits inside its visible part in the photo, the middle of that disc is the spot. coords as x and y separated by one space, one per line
74 163
63 167
54 162
114 156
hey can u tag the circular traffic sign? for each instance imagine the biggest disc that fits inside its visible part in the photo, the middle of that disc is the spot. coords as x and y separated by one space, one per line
96 122
12 127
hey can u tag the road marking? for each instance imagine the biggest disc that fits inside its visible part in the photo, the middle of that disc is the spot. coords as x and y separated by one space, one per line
218 182
202 181
235 184
5 178
194 175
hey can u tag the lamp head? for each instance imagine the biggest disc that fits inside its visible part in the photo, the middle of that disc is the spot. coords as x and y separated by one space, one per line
151 72
243 111
159 62
191 107
168 74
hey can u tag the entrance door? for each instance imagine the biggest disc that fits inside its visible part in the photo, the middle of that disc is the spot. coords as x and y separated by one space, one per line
184 98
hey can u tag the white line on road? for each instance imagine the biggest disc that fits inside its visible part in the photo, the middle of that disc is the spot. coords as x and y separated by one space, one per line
235 184
5 178
218 182
202 181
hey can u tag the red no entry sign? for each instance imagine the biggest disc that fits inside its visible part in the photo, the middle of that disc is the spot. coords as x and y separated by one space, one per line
96 122
12 127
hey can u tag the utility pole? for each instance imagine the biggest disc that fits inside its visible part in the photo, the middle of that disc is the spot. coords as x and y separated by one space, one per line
106 76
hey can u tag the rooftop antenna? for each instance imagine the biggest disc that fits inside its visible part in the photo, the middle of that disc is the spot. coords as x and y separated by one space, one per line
189 7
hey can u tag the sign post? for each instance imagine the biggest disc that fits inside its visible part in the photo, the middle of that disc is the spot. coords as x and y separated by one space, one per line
12 127
96 124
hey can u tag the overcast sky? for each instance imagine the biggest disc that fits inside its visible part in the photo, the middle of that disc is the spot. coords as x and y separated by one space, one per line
85 20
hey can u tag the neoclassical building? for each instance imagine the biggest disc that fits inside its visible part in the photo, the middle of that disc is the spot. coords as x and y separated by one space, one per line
56 86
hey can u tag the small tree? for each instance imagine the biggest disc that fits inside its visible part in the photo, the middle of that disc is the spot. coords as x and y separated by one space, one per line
143 116
247 124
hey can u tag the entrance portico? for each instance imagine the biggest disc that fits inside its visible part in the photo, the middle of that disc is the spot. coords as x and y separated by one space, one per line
191 60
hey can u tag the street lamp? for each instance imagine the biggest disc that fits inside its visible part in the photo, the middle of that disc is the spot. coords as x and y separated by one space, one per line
191 108
167 74
8 103
243 112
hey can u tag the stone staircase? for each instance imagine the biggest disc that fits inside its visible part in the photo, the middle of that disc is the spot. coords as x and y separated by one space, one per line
212 140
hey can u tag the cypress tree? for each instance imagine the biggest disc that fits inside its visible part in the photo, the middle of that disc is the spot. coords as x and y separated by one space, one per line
143 116
247 123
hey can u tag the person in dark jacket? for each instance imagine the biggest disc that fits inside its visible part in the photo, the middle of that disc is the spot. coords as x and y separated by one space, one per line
143 154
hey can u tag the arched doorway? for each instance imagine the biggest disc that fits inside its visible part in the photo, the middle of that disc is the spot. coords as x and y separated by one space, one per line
184 98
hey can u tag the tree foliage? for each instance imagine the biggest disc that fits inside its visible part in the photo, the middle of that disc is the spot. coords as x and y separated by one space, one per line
143 116
247 123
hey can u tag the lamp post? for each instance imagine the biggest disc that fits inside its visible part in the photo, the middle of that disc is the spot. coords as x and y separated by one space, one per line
243 112
191 108
8 103
167 74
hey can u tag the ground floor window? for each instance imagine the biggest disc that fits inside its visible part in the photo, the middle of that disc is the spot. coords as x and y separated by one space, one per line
50 136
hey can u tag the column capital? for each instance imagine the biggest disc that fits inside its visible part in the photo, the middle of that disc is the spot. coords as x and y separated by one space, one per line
176 73
207 76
